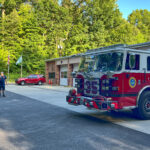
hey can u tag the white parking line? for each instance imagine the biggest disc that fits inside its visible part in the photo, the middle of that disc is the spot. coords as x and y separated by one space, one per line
58 97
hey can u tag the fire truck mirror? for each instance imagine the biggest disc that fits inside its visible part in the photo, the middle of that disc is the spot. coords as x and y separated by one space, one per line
132 61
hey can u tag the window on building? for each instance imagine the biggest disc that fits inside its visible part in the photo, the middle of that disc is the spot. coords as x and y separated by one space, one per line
148 63
135 60
64 74
52 75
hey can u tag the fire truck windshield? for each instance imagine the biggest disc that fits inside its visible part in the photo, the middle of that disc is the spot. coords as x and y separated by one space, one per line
102 62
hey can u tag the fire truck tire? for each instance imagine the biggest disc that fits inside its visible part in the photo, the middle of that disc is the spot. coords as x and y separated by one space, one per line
143 110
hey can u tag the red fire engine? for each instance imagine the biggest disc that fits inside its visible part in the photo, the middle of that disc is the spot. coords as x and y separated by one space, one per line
114 78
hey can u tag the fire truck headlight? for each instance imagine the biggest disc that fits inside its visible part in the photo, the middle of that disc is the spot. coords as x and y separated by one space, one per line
103 81
103 88
107 88
115 88
107 81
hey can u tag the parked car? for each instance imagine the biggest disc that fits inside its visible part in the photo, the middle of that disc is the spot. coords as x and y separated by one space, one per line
31 79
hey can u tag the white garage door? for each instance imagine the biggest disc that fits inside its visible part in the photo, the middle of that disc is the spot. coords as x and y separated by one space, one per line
75 68
63 75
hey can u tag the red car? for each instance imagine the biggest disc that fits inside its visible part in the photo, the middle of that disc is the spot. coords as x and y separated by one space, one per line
31 79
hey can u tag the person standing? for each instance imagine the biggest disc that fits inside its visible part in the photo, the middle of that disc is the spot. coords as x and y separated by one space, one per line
2 84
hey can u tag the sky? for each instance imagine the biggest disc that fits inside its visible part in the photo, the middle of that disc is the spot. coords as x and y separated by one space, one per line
127 6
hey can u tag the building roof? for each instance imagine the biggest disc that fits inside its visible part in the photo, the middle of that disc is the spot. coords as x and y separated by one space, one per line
65 57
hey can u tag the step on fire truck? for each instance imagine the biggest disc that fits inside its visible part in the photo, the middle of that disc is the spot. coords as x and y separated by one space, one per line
112 79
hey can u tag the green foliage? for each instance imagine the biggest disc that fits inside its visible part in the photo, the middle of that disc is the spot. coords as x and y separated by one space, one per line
126 33
141 20
43 29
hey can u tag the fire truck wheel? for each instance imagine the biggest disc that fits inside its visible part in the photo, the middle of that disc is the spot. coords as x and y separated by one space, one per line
143 109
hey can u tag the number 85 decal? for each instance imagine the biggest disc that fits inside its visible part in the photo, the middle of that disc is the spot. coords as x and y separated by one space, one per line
91 86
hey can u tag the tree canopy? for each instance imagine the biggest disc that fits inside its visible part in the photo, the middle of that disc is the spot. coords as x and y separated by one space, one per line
44 29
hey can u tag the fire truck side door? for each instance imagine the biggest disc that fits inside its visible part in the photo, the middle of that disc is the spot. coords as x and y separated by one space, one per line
132 78
146 70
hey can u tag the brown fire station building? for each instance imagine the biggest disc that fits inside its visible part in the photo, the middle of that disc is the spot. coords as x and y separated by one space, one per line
58 71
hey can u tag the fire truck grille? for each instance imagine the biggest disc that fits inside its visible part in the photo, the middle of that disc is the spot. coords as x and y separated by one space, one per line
92 87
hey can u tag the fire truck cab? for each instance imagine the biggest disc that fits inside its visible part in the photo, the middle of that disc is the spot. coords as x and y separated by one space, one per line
113 78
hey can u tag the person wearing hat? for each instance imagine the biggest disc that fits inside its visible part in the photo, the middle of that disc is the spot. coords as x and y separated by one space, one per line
2 84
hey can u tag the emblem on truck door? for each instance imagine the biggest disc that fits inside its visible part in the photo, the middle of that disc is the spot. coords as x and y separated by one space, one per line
132 82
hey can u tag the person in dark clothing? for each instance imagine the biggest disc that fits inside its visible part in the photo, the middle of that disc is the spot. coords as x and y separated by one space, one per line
2 84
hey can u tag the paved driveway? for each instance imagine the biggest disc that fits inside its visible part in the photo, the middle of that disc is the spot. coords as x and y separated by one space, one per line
39 119
56 95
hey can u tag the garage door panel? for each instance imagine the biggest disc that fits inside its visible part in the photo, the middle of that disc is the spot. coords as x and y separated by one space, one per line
64 68
63 75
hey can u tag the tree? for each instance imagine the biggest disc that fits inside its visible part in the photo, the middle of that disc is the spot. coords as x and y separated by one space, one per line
32 41
141 20
126 33
43 29
10 5
77 36
10 38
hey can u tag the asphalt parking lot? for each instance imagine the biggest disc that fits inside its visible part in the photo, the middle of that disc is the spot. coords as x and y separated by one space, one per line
38 118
